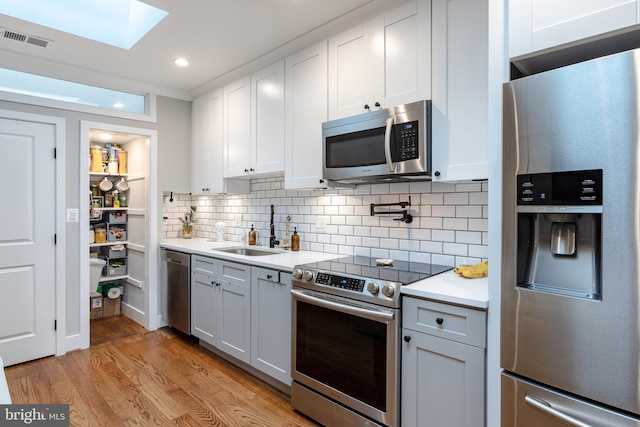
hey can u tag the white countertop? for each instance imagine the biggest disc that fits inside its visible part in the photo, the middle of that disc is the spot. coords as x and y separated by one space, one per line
446 287
450 288
282 261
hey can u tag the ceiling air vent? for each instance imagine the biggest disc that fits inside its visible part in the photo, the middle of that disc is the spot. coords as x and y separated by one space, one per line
25 38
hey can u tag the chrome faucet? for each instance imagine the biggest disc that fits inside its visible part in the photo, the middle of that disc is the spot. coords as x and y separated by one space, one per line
272 238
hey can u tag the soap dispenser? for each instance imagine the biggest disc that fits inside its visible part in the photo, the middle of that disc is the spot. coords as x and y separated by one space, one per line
295 240
252 236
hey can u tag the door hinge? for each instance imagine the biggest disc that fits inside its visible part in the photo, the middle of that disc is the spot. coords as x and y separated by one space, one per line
55 153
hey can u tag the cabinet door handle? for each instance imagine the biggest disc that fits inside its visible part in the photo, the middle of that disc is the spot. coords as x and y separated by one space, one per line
407 338
439 320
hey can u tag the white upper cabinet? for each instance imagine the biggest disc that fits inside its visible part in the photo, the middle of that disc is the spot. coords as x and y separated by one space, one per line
381 63
237 128
206 148
460 82
202 141
540 24
254 124
305 110
267 119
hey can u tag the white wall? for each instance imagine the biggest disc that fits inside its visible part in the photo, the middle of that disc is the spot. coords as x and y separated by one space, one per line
450 222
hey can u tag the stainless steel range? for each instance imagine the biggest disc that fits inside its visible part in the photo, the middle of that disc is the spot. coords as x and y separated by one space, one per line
345 339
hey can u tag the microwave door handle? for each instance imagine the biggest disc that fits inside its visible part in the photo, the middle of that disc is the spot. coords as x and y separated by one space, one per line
391 167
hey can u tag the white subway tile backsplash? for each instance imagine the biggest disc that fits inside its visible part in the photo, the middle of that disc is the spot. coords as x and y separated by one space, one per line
432 223
478 224
443 235
431 247
455 248
456 198
470 237
468 211
444 211
450 220
432 199
455 224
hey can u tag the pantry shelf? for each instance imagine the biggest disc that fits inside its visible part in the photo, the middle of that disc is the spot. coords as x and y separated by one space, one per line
112 278
118 242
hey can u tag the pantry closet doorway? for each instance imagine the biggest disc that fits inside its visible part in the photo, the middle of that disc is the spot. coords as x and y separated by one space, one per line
140 295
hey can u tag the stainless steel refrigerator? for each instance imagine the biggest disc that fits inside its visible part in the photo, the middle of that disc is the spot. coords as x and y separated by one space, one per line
570 325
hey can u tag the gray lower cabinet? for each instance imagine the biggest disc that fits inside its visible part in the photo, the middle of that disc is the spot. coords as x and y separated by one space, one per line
234 310
244 311
204 298
443 365
271 323
221 305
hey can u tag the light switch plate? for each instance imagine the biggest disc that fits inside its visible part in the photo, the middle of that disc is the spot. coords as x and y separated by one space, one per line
73 215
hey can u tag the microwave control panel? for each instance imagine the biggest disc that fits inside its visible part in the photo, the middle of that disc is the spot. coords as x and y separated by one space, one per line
406 141
561 188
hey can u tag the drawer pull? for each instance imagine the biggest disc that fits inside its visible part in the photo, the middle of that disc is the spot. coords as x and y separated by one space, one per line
439 320
407 338
269 277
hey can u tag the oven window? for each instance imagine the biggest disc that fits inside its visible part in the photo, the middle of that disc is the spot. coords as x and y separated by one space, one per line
343 351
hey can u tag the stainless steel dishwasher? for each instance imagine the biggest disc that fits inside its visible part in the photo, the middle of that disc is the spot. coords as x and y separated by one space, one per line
177 266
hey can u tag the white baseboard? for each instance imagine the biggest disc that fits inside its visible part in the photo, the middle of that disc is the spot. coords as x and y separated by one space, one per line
72 342
134 313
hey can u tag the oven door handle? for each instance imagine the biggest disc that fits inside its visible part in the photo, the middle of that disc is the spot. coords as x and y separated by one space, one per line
391 167
348 309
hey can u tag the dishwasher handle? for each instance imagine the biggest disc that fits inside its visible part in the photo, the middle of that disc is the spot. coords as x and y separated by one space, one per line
177 258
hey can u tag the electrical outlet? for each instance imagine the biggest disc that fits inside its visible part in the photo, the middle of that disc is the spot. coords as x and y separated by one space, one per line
237 220
320 224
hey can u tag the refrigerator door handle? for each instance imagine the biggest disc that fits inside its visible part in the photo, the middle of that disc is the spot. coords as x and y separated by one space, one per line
546 408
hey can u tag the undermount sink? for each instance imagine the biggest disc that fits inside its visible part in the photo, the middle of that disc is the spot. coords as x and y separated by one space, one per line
249 251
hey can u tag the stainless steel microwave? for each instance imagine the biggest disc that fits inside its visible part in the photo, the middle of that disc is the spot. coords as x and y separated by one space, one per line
392 144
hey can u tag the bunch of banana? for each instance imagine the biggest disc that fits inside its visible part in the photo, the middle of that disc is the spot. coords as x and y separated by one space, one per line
473 271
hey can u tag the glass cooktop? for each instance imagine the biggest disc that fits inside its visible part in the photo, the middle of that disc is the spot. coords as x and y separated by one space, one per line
403 272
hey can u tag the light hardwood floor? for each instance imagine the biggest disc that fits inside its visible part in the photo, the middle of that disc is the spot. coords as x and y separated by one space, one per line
132 377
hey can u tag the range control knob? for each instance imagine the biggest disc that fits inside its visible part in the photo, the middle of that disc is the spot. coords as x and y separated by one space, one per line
388 291
373 288
308 275
297 273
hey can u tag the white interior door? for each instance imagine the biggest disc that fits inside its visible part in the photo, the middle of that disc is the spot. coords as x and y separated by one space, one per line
27 245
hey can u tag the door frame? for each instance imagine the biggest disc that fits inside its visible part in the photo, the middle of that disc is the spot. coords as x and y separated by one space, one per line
59 124
149 318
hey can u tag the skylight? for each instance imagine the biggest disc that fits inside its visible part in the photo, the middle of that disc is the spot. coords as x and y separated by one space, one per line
120 23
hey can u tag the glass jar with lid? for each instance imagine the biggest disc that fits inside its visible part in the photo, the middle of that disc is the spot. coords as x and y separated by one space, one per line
100 233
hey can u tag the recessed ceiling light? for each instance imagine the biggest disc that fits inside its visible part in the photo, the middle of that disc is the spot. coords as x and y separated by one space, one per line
93 20
105 136
181 62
